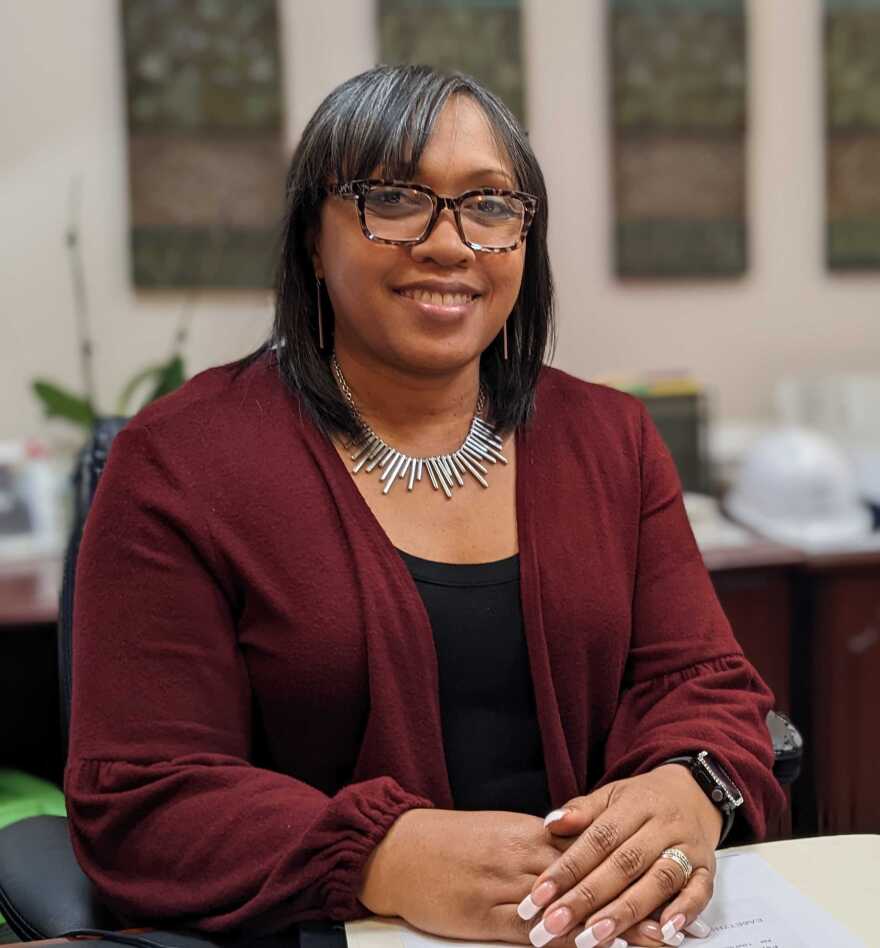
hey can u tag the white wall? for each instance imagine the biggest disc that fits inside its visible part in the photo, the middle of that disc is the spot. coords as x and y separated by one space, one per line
62 109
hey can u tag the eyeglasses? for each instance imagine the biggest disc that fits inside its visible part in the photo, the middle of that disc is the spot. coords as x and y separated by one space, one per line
492 220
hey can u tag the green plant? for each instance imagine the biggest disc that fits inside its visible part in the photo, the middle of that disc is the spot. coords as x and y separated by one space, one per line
155 380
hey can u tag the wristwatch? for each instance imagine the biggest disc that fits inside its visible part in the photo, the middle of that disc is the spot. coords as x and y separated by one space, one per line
716 783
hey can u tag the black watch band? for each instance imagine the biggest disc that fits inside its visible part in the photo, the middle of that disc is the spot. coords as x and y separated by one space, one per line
716 783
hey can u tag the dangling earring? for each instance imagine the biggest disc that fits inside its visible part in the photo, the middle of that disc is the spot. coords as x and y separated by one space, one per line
320 315
505 340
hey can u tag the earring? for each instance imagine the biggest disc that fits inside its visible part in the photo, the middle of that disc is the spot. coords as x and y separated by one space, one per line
320 315
505 340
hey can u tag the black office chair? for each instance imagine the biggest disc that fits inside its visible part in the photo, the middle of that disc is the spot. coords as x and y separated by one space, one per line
43 891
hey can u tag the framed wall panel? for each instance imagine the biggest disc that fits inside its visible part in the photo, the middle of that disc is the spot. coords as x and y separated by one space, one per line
478 37
852 85
678 107
206 161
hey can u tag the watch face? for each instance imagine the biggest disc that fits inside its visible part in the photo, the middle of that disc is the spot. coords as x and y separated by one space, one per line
724 790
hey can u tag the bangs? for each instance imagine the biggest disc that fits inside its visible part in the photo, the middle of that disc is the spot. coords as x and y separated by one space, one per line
384 127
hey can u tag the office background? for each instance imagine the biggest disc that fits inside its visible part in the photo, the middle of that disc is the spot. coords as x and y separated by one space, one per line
63 107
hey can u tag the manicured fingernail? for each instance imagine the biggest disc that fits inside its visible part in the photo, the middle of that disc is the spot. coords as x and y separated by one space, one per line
539 936
590 937
527 908
619 943
669 932
550 926
553 816
698 928
532 904
651 929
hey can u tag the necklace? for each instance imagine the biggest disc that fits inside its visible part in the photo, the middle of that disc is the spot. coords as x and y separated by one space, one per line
445 471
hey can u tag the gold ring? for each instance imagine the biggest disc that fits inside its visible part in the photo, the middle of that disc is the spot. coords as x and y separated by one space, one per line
678 857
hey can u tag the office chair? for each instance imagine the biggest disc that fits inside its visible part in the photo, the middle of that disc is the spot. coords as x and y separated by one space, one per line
43 891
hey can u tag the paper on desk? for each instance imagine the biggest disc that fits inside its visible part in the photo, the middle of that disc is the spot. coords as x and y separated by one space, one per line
753 907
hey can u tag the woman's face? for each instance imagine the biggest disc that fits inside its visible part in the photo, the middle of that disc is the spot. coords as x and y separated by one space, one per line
371 285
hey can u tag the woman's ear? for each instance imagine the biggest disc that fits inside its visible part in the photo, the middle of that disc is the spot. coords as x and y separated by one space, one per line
317 266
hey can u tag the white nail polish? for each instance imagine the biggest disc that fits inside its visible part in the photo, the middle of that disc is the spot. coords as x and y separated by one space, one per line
539 936
698 928
527 908
670 935
588 937
553 816
619 943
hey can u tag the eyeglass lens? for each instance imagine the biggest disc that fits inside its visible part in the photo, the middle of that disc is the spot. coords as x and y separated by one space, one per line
395 213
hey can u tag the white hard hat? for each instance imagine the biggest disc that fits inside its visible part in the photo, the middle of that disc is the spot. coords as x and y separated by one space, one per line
796 486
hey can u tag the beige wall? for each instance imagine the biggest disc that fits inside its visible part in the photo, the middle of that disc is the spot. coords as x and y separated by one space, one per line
63 116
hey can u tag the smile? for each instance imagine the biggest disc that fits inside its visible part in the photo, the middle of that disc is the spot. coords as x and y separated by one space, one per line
447 300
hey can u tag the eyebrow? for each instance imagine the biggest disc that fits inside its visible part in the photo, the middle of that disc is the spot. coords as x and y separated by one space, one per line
489 172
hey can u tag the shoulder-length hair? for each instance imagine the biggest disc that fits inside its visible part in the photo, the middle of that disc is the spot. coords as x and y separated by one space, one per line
382 119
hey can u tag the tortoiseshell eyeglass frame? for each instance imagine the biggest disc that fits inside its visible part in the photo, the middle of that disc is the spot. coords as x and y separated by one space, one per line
357 191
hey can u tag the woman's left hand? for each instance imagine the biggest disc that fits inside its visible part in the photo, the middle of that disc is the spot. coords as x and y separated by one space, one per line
614 870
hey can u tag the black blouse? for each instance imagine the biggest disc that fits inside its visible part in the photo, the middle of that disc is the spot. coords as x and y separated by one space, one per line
487 702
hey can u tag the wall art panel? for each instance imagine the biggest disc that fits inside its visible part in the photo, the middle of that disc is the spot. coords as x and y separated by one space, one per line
206 161
852 86
478 37
678 107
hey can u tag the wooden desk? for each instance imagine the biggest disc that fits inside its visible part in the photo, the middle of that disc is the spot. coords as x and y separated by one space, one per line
838 642
29 592
755 585
811 626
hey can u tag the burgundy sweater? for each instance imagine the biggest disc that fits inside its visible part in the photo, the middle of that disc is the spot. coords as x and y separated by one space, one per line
255 693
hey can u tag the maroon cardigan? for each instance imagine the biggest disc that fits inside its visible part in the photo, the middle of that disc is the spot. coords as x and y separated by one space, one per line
255 681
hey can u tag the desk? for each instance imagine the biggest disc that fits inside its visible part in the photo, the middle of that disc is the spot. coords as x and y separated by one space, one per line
840 873
811 626
29 592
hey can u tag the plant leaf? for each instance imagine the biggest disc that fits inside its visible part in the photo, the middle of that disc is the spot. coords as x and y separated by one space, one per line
171 376
166 377
60 403
133 384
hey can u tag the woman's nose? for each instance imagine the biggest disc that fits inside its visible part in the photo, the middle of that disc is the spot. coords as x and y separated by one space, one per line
444 244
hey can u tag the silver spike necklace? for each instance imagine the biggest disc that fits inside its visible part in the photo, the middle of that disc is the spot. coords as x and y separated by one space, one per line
445 471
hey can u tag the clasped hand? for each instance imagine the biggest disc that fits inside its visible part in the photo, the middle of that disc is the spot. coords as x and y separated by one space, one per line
593 875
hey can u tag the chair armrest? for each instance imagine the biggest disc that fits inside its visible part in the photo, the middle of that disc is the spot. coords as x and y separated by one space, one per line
43 891
788 747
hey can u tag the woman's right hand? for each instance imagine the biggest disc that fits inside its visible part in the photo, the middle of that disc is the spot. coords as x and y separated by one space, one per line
460 874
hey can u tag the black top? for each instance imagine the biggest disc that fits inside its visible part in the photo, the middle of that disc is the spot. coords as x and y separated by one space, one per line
487 701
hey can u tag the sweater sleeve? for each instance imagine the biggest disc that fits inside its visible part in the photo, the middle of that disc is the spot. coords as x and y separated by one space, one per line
687 685
168 816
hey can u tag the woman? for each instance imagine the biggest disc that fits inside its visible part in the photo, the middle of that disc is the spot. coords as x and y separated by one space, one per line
352 615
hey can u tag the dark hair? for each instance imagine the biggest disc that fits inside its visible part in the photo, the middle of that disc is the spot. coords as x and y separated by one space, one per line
382 119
